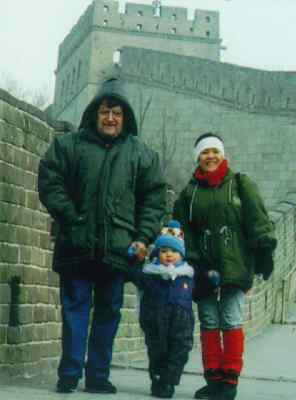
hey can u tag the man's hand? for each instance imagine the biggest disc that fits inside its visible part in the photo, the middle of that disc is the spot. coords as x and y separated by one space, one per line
140 250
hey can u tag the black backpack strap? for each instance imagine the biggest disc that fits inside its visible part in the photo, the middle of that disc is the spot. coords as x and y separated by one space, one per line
237 178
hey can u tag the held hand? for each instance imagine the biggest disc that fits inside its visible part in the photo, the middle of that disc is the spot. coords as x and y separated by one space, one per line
140 251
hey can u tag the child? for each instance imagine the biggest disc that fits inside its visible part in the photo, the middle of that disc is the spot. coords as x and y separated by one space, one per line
166 315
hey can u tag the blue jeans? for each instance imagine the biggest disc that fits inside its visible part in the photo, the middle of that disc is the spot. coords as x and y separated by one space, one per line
224 310
78 294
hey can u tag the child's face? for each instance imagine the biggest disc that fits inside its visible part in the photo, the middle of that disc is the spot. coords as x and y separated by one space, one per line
169 256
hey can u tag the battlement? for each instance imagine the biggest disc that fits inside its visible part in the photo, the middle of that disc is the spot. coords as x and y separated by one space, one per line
143 10
169 20
142 19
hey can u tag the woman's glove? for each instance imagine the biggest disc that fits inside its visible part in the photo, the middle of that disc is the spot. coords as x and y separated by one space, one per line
206 282
264 262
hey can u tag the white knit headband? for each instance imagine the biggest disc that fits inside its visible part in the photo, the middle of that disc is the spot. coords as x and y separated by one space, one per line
208 143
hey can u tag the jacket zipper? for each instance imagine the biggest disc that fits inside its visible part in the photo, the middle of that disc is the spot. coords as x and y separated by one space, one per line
102 174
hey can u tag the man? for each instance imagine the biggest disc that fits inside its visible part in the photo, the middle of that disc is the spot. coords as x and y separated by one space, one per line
105 190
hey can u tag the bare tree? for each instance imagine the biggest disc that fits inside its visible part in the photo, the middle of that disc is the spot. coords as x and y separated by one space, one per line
144 106
167 139
39 98
163 140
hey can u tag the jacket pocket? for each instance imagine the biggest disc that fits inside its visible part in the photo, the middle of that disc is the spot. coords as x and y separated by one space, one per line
122 233
75 241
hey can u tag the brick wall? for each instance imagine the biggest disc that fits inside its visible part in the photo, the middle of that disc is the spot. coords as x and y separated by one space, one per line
29 302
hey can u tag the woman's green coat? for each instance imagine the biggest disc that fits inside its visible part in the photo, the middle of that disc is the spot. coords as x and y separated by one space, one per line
226 228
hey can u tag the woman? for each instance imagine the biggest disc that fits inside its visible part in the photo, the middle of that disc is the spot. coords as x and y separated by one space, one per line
226 229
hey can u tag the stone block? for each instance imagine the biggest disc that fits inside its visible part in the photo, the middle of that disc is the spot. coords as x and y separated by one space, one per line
9 253
4 294
3 334
26 314
3 354
12 194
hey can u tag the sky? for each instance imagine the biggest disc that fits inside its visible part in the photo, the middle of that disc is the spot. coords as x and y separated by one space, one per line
256 33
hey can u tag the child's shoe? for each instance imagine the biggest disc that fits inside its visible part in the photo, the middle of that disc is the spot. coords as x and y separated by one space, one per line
163 390
67 384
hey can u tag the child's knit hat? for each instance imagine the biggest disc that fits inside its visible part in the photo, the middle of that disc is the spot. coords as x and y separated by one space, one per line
173 228
171 242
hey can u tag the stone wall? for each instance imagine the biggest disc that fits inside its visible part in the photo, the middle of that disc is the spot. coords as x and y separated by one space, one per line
30 327
254 111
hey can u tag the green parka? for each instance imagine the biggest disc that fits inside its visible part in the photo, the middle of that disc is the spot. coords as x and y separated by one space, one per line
103 193
225 228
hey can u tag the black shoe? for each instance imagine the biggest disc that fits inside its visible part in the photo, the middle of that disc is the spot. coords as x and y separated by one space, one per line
154 385
67 384
229 391
100 386
202 393
163 390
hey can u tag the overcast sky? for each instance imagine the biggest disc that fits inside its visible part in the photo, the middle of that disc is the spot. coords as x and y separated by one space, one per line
257 33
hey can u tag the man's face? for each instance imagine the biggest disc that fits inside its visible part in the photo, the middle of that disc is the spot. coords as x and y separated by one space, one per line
110 119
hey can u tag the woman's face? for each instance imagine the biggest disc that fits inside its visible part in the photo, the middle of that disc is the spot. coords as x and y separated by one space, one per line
210 159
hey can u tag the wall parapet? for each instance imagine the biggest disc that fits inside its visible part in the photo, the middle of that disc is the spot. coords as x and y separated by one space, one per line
252 90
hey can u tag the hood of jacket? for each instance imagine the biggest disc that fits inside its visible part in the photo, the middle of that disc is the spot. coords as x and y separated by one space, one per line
111 88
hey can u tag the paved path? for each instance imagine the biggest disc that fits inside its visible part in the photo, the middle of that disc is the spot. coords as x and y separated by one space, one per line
269 374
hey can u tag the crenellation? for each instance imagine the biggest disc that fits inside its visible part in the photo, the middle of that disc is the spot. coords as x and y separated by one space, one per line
175 14
139 10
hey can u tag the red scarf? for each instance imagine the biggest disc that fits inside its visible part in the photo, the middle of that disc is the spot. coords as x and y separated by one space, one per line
213 178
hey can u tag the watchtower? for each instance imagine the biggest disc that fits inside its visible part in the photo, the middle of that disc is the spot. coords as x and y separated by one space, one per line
95 42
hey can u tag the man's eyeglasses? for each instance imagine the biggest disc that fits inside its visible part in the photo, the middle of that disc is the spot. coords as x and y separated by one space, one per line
111 113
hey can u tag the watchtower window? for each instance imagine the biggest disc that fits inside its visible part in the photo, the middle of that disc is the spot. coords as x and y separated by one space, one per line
106 8
191 29
208 33
140 13
174 17
208 19
105 23
156 4
157 27
116 56
139 27
173 31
